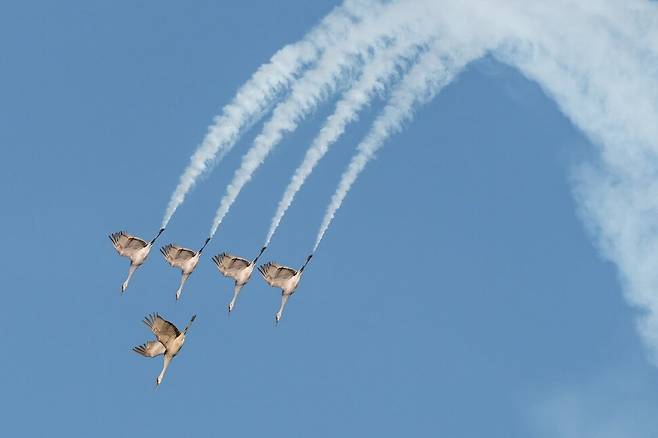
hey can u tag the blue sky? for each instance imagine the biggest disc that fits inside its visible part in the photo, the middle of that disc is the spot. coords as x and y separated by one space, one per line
457 293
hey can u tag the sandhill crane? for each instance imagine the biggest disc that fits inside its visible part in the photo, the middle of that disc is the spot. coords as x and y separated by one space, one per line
136 249
182 258
169 341
284 277
238 269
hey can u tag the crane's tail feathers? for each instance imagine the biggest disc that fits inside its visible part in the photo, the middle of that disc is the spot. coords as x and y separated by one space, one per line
150 319
218 258
166 252
263 269
114 237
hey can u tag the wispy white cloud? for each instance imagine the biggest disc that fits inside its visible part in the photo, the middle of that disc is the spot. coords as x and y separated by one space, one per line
607 85
614 404
599 61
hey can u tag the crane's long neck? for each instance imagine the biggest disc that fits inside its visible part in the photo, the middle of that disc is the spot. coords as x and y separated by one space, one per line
204 245
183 279
262 250
167 360
236 292
284 300
189 324
131 271
158 235
308 259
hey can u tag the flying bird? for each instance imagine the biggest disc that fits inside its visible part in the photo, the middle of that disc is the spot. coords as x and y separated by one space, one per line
182 258
168 341
238 269
282 277
136 249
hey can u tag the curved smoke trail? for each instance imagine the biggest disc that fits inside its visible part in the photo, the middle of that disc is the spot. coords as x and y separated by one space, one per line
607 85
374 78
435 69
335 67
257 94
599 61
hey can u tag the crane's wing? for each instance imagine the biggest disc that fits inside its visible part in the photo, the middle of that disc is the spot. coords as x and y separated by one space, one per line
126 244
176 255
230 265
275 275
163 329
150 349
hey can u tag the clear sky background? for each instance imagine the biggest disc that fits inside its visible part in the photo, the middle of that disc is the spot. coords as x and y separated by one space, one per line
456 294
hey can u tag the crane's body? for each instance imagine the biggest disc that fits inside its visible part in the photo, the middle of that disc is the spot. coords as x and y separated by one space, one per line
136 249
169 341
283 277
183 258
238 269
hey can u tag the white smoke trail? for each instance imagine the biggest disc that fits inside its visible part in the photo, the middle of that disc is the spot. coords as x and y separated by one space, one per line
435 69
599 61
372 35
374 78
607 85
257 94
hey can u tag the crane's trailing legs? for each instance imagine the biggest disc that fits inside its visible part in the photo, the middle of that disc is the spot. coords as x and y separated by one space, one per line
183 279
167 360
158 235
284 300
236 292
131 271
